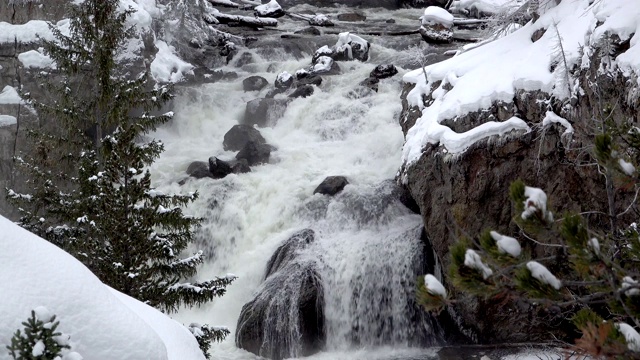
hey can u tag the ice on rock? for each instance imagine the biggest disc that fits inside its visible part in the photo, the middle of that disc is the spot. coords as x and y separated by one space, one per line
507 244
630 335
542 274
474 261
434 286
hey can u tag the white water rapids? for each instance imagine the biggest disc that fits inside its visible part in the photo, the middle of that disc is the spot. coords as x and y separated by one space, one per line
366 257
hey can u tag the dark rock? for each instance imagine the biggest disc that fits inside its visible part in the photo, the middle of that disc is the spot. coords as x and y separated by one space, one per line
436 33
309 31
203 75
383 71
264 112
351 17
331 185
302 91
371 83
219 168
245 58
254 83
324 65
199 170
240 167
390 21
229 76
239 135
309 80
351 50
537 35
255 153
321 20
421 3
267 325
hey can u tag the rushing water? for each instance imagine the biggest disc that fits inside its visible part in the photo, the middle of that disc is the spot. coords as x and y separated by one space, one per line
367 250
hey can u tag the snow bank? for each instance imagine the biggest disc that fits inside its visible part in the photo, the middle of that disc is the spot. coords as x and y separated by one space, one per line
495 71
10 96
167 66
102 325
434 286
7 120
33 59
27 33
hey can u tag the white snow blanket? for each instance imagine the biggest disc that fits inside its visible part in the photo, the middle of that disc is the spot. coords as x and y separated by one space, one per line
495 71
103 324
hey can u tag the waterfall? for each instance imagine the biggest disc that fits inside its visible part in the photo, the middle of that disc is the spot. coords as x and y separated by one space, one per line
366 253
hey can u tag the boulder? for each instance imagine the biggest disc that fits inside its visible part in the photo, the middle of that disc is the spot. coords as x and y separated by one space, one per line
199 170
420 4
351 17
331 185
302 91
267 326
436 25
254 83
324 65
239 135
320 20
383 71
303 77
371 83
240 166
351 47
270 10
264 112
219 168
255 153
309 31
284 80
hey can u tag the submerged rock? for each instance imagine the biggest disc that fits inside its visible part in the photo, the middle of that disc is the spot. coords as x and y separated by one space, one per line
302 91
286 318
255 153
383 71
264 112
199 170
254 83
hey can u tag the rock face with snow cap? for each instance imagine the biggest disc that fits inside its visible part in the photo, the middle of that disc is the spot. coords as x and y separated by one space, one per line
267 326
436 25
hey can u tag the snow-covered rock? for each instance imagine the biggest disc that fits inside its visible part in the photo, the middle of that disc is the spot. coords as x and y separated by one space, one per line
436 15
436 25
627 167
167 66
7 120
102 323
543 274
320 20
9 96
269 10
351 47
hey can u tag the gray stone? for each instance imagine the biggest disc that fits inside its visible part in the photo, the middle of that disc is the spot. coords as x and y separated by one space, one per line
239 135
302 91
254 83
199 170
255 153
264 112
351 17
383 71
331 185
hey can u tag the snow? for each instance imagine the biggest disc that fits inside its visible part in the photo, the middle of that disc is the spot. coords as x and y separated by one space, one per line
631 335
9 96
474 261
268 8
488 7
26 33
167 67
33 59
628 282
594 244
436 15
506 244
323 64
543 274
434 286
283 77
102 323
627 167
7 120
551 117
536 201
497 70
344 42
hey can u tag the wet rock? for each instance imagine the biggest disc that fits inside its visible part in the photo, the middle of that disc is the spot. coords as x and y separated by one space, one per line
199 170
254 83
219 168
437 25
305 78
324 65
421 3
239 135
203 75
284 80
302 91
537 35
309 31
270 10
331 185
351 17
371 83
267 327
390 21
383 71
320 20
436 34
240 166
264 112
255 153
350 47
229 76
245 58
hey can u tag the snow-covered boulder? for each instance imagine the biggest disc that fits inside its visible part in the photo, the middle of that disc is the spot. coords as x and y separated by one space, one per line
103 324
436 25
351 47
269 10
320 20
284 80
325 65
383 71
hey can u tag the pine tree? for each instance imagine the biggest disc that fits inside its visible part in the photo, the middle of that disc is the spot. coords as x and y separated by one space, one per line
90 190
40 340
594 275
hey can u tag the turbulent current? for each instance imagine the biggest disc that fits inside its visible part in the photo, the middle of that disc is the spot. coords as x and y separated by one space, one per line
367 251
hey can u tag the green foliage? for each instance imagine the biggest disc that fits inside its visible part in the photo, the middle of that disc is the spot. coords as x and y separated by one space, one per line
516 193
39 340
89 188
429 301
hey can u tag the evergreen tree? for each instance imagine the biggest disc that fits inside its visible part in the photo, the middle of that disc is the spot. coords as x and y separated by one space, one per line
594 275
40 340
91 193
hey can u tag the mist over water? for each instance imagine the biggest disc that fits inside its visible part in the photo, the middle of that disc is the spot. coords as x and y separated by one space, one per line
367 249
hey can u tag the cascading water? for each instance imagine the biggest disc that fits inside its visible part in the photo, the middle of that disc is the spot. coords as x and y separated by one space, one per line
366 251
